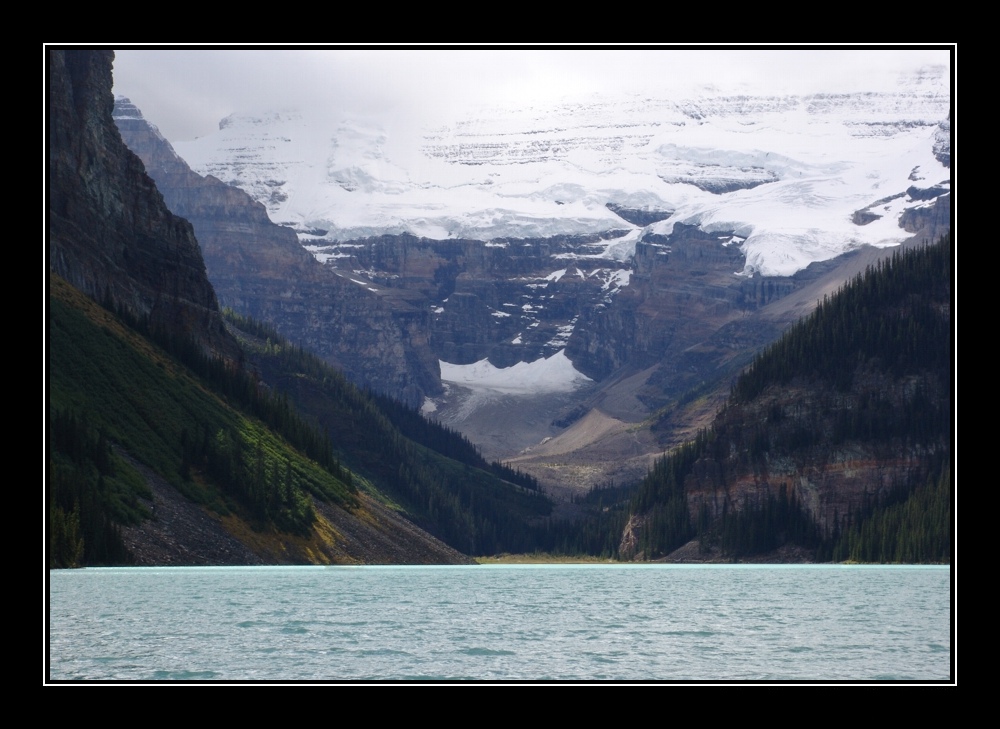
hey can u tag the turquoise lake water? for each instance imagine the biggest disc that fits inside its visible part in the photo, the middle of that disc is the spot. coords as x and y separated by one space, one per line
634 623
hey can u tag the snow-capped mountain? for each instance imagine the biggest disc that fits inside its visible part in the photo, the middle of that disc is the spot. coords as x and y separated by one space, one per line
797 178
599 257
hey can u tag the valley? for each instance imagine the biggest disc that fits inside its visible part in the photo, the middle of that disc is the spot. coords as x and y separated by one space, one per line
567 293
656 266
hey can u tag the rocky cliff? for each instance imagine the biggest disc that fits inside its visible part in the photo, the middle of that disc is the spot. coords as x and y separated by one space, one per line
682 288
677 304
259 269
508 300
110 233
931 220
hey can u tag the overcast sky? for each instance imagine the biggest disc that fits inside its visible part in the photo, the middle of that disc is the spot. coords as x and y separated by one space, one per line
186 92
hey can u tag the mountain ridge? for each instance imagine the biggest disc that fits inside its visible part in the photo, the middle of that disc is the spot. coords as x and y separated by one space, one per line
778 187
163 448
259 269
91 224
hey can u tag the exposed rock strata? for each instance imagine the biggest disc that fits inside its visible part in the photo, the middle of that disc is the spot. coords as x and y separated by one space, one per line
718 179
830 481
110 233
942 142
508 300
638 216
928 222
682 291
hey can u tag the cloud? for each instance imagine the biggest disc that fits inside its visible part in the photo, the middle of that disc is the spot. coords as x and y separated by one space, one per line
187 92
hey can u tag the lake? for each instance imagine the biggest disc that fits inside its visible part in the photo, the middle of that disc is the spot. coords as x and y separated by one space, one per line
746 623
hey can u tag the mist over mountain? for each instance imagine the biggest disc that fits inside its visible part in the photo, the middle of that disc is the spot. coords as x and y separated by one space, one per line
785 173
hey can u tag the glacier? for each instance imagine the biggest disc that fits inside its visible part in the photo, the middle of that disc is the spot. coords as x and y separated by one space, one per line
545 375
785 173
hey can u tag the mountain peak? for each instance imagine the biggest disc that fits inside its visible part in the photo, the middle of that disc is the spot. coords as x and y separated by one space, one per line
786 170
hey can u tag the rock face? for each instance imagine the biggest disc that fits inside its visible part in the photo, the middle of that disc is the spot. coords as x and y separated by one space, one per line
682 293
260 269
677 305
942 142
110 233
639 216
929 221
512 300
721 181
829 480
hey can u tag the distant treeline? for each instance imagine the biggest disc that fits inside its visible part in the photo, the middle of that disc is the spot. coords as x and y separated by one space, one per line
893 317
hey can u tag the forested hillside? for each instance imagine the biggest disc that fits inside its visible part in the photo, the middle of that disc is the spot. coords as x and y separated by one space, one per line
197 421
442 480
837 438
167 444
238 446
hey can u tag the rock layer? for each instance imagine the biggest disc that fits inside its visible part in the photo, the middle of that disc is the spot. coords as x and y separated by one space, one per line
110 233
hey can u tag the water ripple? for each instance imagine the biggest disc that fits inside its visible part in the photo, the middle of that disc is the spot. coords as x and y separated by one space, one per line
565 623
